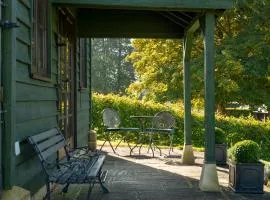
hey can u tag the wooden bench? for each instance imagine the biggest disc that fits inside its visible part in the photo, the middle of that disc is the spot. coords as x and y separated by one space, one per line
79 168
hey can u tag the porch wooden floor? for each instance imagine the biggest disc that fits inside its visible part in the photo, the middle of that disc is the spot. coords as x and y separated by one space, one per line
160 178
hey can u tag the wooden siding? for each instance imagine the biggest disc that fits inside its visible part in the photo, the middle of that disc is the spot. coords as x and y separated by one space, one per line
36 100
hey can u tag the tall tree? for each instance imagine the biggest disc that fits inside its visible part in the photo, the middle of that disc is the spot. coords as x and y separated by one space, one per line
157 64
110 71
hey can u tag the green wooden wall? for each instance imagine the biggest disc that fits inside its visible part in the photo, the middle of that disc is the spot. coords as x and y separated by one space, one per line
82 105
36 101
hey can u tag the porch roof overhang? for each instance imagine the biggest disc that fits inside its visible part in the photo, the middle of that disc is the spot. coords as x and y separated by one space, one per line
140 18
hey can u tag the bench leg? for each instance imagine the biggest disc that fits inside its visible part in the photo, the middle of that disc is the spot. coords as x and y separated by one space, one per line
65 188
103 187
48 194
90 190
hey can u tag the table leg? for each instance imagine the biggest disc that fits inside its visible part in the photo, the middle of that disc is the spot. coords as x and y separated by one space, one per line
171 141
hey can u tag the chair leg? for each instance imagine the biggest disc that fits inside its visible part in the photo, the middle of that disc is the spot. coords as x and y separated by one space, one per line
107 139
118 144
151 147
159 150
129 146
111 146
103 145
131 150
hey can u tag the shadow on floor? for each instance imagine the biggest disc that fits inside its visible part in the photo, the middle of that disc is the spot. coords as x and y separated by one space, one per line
129 180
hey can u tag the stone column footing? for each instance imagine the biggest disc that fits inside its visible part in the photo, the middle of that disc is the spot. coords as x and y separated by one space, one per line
188 156
209 178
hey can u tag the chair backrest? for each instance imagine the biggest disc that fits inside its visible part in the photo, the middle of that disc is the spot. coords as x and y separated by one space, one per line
47 143
110 118
163 120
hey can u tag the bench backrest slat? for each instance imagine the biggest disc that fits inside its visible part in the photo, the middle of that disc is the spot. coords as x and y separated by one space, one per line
50 143
47 143
53 149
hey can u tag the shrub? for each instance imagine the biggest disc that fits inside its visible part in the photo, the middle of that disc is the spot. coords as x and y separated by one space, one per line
220 137
246 151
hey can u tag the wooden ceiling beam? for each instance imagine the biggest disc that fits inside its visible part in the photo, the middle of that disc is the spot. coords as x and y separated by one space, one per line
150 4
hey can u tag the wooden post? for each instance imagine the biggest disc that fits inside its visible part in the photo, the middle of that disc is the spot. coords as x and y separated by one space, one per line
209 87
187 157
9 83
209 179
1 99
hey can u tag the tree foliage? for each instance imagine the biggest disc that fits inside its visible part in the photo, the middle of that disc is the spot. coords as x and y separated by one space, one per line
242 60
157 64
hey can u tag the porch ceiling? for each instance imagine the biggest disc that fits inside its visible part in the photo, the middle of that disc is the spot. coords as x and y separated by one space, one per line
133 23
150 4
140 18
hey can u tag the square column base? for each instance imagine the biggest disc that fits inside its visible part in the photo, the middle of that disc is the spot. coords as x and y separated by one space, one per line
188 156
209 178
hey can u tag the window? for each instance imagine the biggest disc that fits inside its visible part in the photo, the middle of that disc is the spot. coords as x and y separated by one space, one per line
83 63
40 68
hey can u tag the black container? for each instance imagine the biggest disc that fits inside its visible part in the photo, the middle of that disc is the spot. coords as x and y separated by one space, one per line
221 154
246 177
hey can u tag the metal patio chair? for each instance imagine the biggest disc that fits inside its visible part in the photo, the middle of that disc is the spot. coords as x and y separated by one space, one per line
112 122
163 123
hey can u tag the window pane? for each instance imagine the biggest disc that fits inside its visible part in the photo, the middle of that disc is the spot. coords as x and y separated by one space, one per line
83 63
40 46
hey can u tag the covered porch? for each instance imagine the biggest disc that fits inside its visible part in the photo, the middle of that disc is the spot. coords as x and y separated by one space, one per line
164 19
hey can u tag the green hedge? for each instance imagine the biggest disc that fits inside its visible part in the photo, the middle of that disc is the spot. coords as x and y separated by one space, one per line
238 112
236 129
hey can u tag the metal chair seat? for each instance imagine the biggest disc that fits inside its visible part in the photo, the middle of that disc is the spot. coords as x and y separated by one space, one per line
122 129
112 122
165 130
